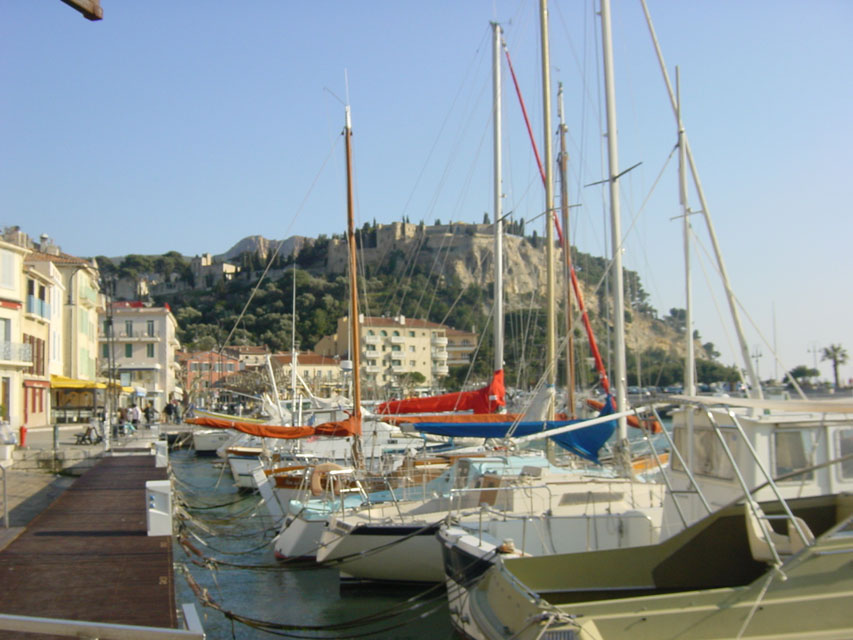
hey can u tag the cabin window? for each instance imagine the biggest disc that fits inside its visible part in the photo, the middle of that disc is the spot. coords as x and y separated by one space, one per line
709 457
844 444
793 450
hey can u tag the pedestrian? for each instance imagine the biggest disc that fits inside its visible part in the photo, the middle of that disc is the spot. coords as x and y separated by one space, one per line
177 413
148 411
168 410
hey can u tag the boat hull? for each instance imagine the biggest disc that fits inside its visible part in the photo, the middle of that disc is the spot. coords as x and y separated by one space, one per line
399 553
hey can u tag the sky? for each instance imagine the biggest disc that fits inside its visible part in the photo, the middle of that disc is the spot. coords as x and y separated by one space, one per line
190 125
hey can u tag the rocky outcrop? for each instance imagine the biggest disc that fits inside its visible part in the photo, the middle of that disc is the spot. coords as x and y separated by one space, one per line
262 246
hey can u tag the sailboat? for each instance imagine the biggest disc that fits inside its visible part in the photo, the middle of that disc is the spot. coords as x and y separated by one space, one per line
768 498
544 509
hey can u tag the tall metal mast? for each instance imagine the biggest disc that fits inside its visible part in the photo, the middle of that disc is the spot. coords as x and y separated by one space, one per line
567 263
689 358
755 391
498 211
551 311
615 226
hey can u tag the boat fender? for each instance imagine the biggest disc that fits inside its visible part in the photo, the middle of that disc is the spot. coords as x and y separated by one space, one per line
318 476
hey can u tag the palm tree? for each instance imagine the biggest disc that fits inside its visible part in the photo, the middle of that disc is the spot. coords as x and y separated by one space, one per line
838 355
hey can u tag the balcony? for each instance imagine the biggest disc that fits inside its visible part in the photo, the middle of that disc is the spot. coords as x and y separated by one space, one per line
373 369
132 336
16 354
438 341
38 307
439 354
372 340
399 369
440 370
398 340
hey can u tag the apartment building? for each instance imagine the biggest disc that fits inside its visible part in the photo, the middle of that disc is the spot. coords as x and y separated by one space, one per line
15 355
391 348
323 375
250 356
461 346
202 370
37 331
141 341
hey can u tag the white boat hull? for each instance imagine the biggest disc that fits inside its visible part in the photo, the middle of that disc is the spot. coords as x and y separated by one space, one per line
410 553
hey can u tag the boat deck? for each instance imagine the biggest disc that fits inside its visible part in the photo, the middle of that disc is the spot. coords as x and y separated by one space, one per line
88 556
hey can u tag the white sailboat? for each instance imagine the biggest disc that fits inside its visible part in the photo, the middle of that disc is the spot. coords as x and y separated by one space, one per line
556 510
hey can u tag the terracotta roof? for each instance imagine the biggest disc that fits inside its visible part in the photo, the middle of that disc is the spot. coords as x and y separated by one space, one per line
62 258
248 349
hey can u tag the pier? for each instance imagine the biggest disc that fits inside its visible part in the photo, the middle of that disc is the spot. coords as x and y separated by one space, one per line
88 556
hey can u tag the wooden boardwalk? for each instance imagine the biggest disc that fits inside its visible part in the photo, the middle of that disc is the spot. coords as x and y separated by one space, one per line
88 556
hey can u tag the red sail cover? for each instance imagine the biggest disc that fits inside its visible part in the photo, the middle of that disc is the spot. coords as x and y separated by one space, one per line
484 400
342 429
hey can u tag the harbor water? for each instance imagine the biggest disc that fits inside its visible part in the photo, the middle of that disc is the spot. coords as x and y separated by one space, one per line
247 593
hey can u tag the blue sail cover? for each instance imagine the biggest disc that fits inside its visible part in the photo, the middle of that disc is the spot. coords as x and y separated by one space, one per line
584 442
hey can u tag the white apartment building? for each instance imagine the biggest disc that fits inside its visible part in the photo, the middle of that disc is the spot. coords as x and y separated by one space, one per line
142 342
391 348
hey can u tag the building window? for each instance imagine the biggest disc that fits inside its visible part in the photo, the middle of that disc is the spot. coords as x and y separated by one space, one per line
411 348
396 347
105 351
396 333
150 327
128 327
7 270
149 350
370 332
128 351
411 334
383 333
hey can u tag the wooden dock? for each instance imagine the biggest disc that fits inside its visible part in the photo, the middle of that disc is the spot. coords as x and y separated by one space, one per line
88 556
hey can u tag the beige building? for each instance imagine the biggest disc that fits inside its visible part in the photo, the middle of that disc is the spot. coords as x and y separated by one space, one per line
323 375
36 332
143 343
461 346
250 356
15 355
392 348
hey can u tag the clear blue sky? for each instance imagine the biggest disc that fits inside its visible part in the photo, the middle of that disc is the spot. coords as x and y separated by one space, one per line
190 125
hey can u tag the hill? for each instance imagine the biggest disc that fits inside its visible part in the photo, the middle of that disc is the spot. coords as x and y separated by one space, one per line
442 273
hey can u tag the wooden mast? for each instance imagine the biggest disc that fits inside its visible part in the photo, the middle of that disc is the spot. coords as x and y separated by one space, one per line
355 350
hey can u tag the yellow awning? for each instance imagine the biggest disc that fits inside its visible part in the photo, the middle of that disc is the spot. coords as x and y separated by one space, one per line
61 382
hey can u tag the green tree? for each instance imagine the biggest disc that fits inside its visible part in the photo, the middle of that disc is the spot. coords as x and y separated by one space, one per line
836 354
802 372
